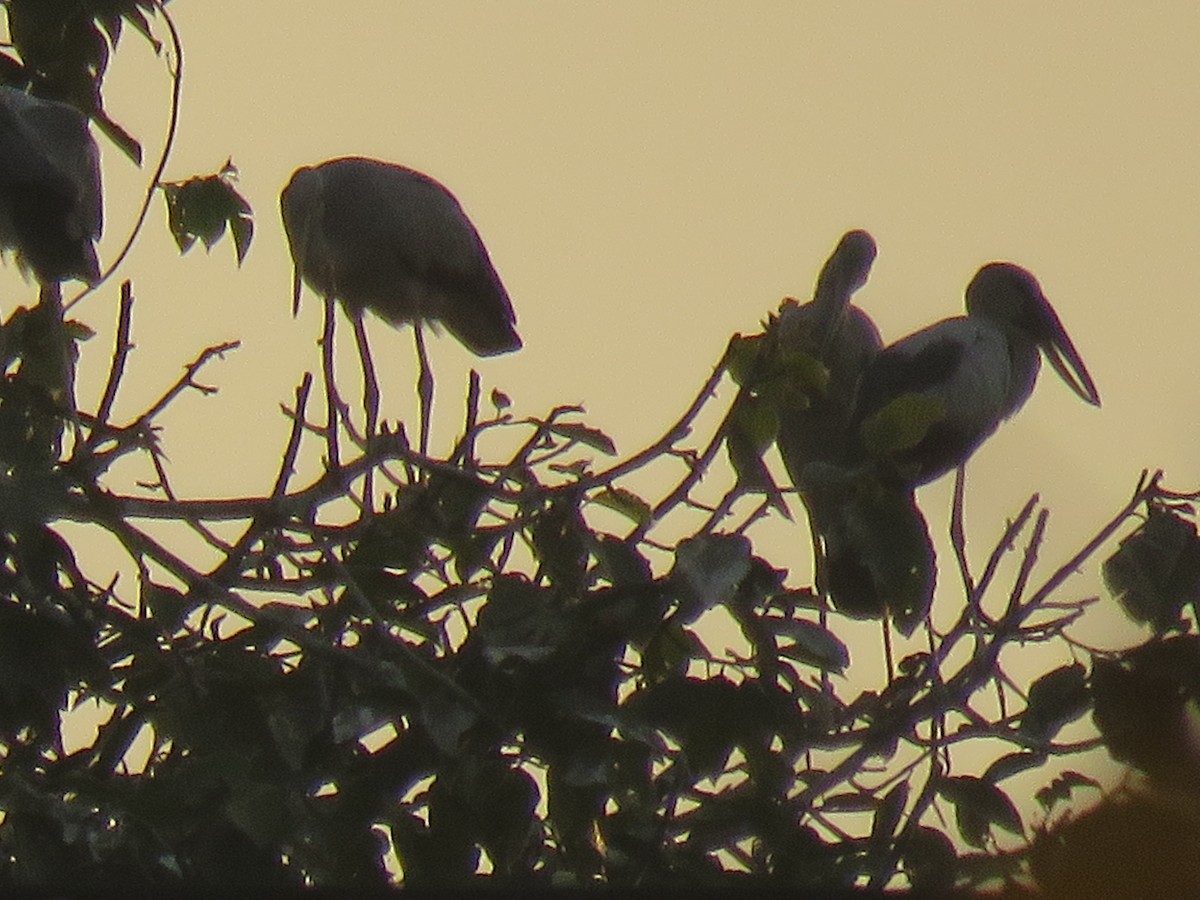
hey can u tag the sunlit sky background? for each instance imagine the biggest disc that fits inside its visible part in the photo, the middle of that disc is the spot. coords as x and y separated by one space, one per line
651 178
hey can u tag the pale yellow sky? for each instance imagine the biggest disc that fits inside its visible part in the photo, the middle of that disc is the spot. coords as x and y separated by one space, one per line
650 178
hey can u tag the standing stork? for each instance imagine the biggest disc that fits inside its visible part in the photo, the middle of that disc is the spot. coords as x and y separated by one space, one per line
928 401
872 551
383 237
50 215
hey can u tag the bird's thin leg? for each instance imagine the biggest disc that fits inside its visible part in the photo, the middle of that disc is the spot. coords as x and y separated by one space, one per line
331 396
424 388
370 401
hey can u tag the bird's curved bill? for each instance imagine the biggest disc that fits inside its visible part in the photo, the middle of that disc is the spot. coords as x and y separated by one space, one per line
1065 359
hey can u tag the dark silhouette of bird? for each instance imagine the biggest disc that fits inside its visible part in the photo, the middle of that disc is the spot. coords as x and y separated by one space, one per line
928 401
843 339
873 554
382 237
50 193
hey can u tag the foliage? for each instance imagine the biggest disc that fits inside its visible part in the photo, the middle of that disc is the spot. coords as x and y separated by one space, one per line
500 668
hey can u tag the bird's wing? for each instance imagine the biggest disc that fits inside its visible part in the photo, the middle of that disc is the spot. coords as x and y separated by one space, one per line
62 135
915 364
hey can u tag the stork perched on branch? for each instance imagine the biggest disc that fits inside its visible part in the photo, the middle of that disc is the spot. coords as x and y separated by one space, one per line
928 401
382 237
50 216
50 195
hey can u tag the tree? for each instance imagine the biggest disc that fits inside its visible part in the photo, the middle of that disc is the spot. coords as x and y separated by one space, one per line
498 670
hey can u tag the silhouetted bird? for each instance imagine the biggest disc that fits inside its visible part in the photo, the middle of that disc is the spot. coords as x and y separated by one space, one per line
874 558
926 402
50 196
383 237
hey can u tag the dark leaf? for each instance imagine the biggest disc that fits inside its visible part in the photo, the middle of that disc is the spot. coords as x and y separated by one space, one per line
888 814
929 859
1156 570
711 567
1059 790
1143 702
626 503
1013 764
583 434
1055 699
202 207
812 644
978 806
857 801
741 357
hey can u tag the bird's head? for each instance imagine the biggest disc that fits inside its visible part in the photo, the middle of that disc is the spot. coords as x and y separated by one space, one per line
1011 297
849 265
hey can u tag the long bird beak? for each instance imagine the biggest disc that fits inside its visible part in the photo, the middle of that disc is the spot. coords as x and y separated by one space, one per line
1063 357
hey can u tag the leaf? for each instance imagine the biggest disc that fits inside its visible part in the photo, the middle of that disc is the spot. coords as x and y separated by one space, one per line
260 810
202 207
813 644
583 434
741 357
1144 702
751 430
620 561
888 814
711 566
979 805
1060 788
929 859
1055 699
1156 570
852 801
627 503
1013 764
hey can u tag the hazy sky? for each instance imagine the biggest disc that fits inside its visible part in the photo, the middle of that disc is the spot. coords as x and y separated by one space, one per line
652 177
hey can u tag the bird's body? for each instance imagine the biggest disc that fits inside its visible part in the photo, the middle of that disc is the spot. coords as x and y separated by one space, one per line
384 237
50 193
927 402
872 551
843 339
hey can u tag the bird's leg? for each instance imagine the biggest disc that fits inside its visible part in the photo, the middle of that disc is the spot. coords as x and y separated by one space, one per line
888 660
370 402
424 388
331 397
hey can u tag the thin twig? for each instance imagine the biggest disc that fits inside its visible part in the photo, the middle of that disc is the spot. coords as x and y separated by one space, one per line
121 350
1146 491
287 466
185 381
464 450
164 155
675 433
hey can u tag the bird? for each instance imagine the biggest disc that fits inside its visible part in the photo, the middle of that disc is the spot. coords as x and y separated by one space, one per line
383 237
928 401
843 339
876 558
797 377
50 190
871 545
